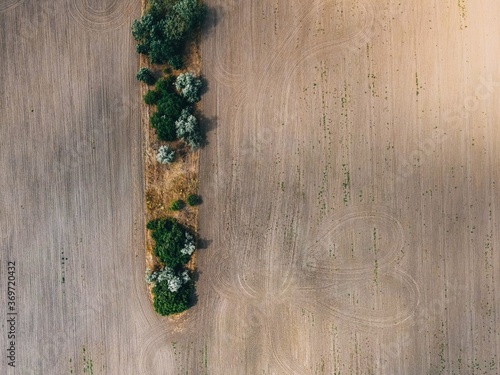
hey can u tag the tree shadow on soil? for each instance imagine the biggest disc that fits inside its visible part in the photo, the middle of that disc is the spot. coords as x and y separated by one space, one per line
194 295
204 85
213 16
203 243
206 125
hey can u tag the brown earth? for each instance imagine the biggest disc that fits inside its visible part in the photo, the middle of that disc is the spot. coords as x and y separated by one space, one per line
71 210
351 189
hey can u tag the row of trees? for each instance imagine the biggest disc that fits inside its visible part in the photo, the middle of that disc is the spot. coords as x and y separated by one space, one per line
162 34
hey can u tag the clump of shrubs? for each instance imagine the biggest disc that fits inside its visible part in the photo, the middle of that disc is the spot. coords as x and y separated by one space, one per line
170 238
173 118
172 290
173 287
169 106
175 280
167 302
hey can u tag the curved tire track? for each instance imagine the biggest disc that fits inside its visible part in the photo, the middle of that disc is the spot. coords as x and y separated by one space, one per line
110 17
153 347
365 318
318 263
6 5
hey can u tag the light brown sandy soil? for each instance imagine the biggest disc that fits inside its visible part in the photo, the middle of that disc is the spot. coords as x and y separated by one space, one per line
351 189
71 208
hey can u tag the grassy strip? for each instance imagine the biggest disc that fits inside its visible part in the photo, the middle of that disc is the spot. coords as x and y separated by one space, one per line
170 162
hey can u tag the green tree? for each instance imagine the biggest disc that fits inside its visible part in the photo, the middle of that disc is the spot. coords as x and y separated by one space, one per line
169 109
145 75
194 200
177 205
191 13
166 85
164 127
167 302
170 240
151 97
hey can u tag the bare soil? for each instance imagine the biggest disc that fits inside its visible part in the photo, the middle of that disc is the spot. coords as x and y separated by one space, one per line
72 203
350 186
351 189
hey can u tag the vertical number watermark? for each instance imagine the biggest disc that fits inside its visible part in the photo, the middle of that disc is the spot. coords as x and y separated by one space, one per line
11 314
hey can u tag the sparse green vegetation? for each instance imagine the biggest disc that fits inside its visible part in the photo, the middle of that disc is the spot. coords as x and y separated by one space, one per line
194 200
346 185
88 363
177 205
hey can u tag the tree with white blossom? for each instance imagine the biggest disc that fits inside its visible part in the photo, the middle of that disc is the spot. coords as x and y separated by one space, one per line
165 155
187 129
173 281
189 87
189 246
